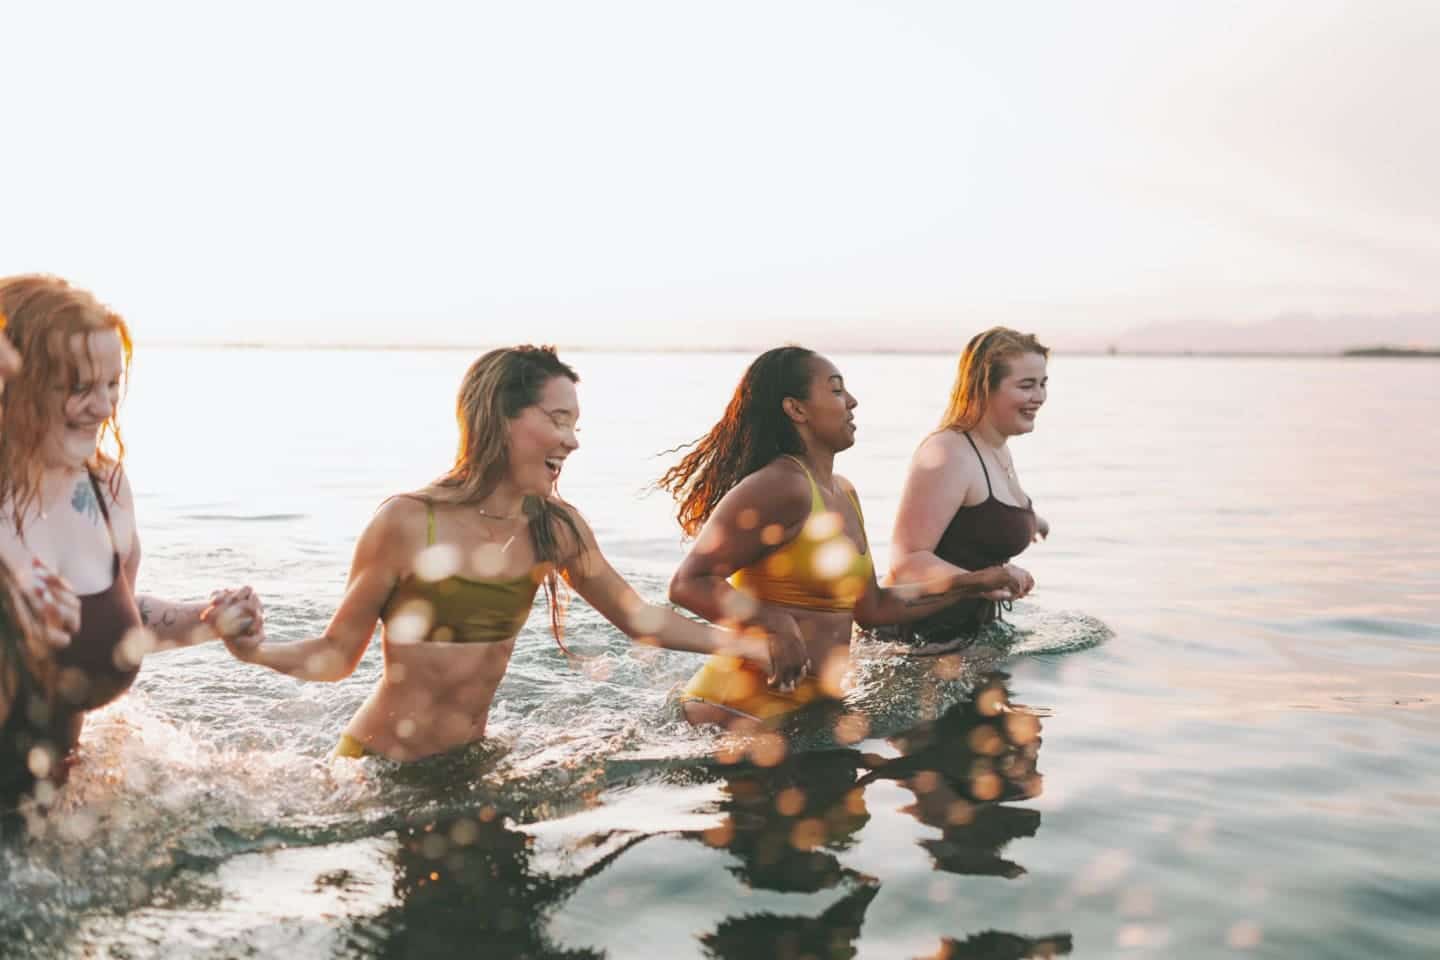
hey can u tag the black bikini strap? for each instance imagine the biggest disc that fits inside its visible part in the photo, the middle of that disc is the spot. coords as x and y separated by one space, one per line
988 489
105 512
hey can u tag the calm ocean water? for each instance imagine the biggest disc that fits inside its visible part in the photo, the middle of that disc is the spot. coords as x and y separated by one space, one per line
1229 744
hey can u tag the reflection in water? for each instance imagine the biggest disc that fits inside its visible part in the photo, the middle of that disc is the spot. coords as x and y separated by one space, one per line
467 885
787 823
963 768
478 883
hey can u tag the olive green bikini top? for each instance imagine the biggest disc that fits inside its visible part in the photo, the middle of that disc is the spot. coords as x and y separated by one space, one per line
459 609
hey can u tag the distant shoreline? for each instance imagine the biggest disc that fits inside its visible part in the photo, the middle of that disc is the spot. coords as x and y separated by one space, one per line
1351 353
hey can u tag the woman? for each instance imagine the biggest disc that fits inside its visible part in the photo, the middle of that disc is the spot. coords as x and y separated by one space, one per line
774 518
451 571
963 507
65 499
34 618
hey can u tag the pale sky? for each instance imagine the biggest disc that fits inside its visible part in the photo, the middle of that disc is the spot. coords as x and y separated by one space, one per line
729 174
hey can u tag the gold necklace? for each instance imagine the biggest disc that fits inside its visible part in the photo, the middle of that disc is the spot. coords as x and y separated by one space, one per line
497 516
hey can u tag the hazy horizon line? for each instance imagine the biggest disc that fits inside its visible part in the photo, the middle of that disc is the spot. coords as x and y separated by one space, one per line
340 346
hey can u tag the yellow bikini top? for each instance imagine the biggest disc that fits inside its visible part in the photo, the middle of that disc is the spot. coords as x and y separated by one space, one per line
821 569
460 609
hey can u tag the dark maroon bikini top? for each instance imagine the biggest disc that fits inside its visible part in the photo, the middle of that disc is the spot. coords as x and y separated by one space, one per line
983 535
101 674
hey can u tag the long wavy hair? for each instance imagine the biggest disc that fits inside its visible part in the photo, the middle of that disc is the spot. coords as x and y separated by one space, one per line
497 388
984 364
43 314
753 431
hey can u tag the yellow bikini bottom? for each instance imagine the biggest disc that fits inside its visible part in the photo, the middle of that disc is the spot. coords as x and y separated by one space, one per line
350 747
738 686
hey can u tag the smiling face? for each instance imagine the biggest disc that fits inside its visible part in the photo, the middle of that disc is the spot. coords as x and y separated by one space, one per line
1017 398
542 435
82 405
829 407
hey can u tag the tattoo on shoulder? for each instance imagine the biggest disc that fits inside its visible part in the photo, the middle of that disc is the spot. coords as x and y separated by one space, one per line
84 502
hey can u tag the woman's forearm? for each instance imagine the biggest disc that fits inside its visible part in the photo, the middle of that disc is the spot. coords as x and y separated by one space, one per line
920 566
317 659
905 603
174 624
668 629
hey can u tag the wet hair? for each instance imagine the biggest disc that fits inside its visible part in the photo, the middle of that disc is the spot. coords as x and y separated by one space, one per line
497 388
984 364
43 314
753 431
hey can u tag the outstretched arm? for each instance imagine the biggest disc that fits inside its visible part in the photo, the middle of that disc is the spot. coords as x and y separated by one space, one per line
381 556
590 574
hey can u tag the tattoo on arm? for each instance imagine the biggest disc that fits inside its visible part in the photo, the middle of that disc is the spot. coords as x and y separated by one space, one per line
84 502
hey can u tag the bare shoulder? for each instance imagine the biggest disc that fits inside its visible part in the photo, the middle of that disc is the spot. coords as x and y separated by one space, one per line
399 522
948 454
782 482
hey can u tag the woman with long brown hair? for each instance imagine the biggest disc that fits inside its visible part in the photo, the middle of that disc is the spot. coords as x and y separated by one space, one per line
65 499
781 540
451 571
963 507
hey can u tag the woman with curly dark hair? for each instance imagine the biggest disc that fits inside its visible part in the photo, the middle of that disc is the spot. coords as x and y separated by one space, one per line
780 539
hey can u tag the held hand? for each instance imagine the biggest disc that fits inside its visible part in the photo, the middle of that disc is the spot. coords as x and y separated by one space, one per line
789 660
1007 582
238 618
56 604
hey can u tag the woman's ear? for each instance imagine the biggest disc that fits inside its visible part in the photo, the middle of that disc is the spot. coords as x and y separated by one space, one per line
794 409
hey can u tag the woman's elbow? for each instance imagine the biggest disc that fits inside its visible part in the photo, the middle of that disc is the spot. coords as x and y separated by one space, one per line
329 666
680 591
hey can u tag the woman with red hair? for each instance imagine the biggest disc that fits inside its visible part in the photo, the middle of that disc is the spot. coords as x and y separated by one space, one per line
66 502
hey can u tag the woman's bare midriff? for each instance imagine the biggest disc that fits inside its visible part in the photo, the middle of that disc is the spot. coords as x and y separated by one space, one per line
433 697
827 641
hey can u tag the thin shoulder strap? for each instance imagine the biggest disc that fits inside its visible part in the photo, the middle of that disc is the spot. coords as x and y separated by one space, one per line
989 490
817 502
105 512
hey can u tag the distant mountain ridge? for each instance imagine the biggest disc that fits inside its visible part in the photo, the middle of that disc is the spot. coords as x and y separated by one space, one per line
1285 333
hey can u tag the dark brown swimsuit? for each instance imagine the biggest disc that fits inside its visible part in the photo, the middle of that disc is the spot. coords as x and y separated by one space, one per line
91 671
983 535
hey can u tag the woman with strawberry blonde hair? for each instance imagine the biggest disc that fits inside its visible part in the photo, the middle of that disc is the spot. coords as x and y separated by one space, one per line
65 499
962 507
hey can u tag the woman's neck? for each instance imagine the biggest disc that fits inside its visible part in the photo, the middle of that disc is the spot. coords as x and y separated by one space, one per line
504 502
990 434
821 463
